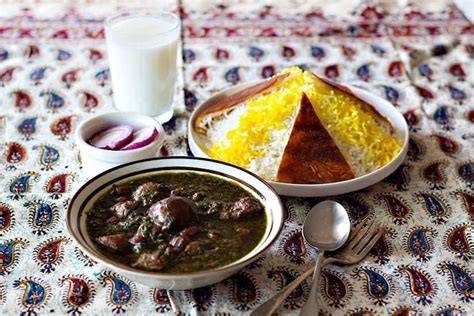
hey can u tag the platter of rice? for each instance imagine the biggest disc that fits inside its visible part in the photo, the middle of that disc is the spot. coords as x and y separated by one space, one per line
305 135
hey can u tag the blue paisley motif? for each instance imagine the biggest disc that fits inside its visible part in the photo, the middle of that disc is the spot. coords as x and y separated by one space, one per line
20 185
457 94
391 94
232 75
42 216
317 52
54 101
49 156
441 117
34 296
27 127
190 100
63 55
3 54
425 71
256 53
34 293
38 74
364 72
121 293
202 298
377 286
466 172
357 210
461 281
102 76
377 50
188 56
434 207
418 244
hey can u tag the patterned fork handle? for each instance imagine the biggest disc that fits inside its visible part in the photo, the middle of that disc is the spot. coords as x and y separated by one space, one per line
272 304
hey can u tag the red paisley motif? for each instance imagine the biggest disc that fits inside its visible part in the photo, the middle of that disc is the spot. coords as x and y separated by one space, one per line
90 101
335 288
15 153
468 200
332 71
95 54
470 116
244 291
294 245
395 69
432 173
79 293
57 184
457 240
419 283
447 145
5 218
22 100
200 75
412 118
424 93
49 253
62 126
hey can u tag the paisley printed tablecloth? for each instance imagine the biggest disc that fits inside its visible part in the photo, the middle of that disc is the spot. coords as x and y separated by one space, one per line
54 73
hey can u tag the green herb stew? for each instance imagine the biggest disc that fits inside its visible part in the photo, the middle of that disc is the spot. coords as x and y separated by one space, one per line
176 222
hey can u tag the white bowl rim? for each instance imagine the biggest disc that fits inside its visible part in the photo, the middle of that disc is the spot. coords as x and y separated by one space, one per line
168 276
131 116
394 163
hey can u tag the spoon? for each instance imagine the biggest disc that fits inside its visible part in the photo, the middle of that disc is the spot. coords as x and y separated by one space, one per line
326 227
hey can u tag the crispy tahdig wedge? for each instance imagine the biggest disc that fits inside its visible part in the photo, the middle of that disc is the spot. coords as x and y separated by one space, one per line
311 155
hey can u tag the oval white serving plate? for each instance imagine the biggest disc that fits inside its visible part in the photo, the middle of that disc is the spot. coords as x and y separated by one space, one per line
327 189
86 196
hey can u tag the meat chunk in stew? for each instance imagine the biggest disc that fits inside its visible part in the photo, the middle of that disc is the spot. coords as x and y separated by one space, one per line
117 242
150 261
150 192
243 208
122 191
121 209
172 212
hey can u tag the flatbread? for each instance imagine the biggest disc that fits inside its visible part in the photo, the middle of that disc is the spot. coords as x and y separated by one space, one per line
311 155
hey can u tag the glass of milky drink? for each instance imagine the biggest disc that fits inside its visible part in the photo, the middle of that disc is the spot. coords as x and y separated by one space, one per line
142 48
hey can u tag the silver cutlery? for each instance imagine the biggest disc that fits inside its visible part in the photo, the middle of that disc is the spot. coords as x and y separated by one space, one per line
361 241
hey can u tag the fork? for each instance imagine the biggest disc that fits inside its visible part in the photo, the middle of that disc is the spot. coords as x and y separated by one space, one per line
360 242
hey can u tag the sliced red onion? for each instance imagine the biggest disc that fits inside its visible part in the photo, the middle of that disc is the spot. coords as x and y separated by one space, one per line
112 138
141 138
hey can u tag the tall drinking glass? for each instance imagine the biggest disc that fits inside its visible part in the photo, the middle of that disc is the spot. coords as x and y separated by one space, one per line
142 49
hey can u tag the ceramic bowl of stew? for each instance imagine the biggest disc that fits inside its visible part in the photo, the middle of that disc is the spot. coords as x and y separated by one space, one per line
175 223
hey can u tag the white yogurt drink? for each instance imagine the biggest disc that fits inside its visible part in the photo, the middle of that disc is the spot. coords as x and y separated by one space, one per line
142 50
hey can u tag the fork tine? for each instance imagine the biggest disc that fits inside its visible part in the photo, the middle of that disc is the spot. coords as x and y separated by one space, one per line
366 238
357 228
370 241
362 232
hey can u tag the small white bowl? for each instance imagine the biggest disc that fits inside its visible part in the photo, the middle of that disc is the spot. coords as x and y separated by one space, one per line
85 197
95 160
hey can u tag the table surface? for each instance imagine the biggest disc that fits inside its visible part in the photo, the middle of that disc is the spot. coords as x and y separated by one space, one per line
54 73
